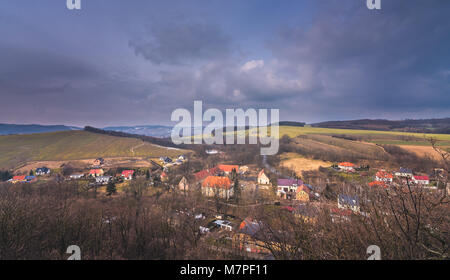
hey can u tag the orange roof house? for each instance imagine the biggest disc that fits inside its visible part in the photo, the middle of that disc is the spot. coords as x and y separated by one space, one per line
205 173
96 172
384 176
228 168
217 182
21 178
347 166
217 186
127 174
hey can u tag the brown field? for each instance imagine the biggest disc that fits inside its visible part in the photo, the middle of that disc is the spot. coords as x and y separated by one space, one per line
423 151
128 162
299 164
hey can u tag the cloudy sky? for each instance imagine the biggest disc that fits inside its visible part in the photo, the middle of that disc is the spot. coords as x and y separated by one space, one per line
121 62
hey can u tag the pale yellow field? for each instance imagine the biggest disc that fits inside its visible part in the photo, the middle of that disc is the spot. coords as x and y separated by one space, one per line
299 164
422 151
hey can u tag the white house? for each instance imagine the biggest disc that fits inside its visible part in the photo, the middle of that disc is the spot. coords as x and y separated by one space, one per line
404 172
348 202
262 178
421 180
383 176
42 171
76 176
224 225
287 188
103 179
346 166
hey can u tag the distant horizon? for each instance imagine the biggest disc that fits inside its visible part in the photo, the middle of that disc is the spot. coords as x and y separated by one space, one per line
171 125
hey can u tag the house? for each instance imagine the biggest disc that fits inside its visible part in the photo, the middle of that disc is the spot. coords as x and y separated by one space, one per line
203 174
404 172
165 160
262 178
250 226
421 180
96 172
302 194
348 202
183 185
127 174
217 186
243 169
384 176
99 161
346 166
211 152
224 225
340 215
287 188
42 171
76 176
227 169
103 179
18 179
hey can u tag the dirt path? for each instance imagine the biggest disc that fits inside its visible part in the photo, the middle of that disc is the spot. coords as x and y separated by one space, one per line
136 147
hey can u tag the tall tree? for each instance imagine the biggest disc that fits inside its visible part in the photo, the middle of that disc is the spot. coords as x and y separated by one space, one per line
111 188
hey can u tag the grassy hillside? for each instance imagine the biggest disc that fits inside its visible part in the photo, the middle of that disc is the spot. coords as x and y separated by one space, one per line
72 145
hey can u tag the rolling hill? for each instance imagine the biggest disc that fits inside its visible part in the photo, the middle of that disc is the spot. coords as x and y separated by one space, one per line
73 145
422 126
8 129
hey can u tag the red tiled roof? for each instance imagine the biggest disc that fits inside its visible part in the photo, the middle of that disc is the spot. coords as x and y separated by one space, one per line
347 164
217 182
95 171
228 168
205 173
384 174
19 178
425 178
127 173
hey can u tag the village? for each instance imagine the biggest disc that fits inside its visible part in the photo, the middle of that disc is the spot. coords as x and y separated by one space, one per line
227 186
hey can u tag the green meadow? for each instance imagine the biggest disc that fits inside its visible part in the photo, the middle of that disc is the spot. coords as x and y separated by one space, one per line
73 145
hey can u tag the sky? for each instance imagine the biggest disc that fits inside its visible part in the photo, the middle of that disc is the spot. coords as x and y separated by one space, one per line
134 62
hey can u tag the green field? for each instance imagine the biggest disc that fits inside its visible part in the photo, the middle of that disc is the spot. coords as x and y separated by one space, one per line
72 145
374 136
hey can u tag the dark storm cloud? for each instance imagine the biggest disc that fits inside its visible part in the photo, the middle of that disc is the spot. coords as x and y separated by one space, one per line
28 71
181 42
325 60
390 61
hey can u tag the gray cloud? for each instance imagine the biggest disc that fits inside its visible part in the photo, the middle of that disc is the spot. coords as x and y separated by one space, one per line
385 62
181 42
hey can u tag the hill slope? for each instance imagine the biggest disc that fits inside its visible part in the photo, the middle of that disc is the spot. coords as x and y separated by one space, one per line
7 129
423 126
71 145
